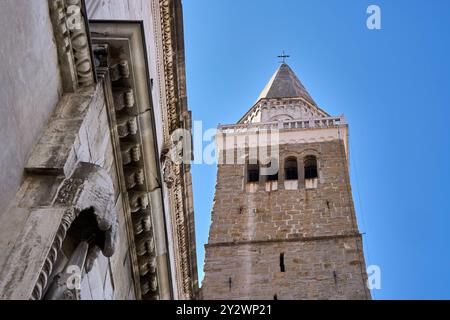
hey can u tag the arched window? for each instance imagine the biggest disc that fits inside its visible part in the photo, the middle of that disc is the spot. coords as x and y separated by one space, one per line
290 169
252 172
311 167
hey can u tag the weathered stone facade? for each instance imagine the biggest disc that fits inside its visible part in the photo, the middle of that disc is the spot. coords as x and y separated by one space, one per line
286 237
93 193
78 133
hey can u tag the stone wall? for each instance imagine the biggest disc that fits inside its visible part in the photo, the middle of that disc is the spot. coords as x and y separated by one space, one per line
310 266
314 228
30 86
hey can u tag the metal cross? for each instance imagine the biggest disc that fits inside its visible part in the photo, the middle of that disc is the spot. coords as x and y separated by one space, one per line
283 57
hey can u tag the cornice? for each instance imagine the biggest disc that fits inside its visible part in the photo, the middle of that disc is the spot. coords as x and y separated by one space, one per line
284 240
130 120
176 116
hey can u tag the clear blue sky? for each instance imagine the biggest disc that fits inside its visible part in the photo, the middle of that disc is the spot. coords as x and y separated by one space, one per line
393 85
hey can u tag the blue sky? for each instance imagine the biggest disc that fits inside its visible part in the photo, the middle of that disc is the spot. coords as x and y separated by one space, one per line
393 85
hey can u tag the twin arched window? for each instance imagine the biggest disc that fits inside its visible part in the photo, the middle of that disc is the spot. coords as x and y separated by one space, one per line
290 170
309 166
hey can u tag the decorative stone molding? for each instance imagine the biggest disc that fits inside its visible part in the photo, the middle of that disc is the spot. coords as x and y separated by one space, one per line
176 115
269 110
44 275
69 27
287 132
121 63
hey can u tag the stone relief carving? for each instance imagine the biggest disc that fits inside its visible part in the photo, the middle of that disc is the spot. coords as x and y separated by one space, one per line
91 222
112 58
172 172
170 158
80 43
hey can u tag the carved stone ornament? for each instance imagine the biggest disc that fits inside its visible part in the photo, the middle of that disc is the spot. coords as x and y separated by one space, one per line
89 189
69 26
173 89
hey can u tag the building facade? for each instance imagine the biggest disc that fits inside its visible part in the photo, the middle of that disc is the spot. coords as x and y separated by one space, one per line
283 219
92 204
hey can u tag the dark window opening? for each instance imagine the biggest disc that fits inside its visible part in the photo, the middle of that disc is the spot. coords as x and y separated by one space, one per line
253 173
282 268
290 169
275 297
85 228
311 167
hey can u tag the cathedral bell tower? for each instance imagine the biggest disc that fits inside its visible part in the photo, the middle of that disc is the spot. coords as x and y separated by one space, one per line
283 219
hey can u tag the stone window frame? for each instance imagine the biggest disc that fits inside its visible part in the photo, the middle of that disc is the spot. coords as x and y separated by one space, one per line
317 154
300 157
293 155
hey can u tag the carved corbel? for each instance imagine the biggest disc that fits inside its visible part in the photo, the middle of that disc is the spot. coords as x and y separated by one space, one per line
130 153
170 155
119 70
127 126
123 98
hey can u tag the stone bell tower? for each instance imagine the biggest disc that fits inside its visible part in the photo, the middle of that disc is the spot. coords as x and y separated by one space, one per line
288 233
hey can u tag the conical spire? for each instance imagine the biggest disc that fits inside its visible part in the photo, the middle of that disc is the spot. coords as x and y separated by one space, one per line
285 84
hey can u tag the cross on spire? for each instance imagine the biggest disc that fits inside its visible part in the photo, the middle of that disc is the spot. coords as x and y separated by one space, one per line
283 57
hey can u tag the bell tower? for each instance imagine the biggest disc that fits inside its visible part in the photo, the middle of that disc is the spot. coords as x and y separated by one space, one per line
283 219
